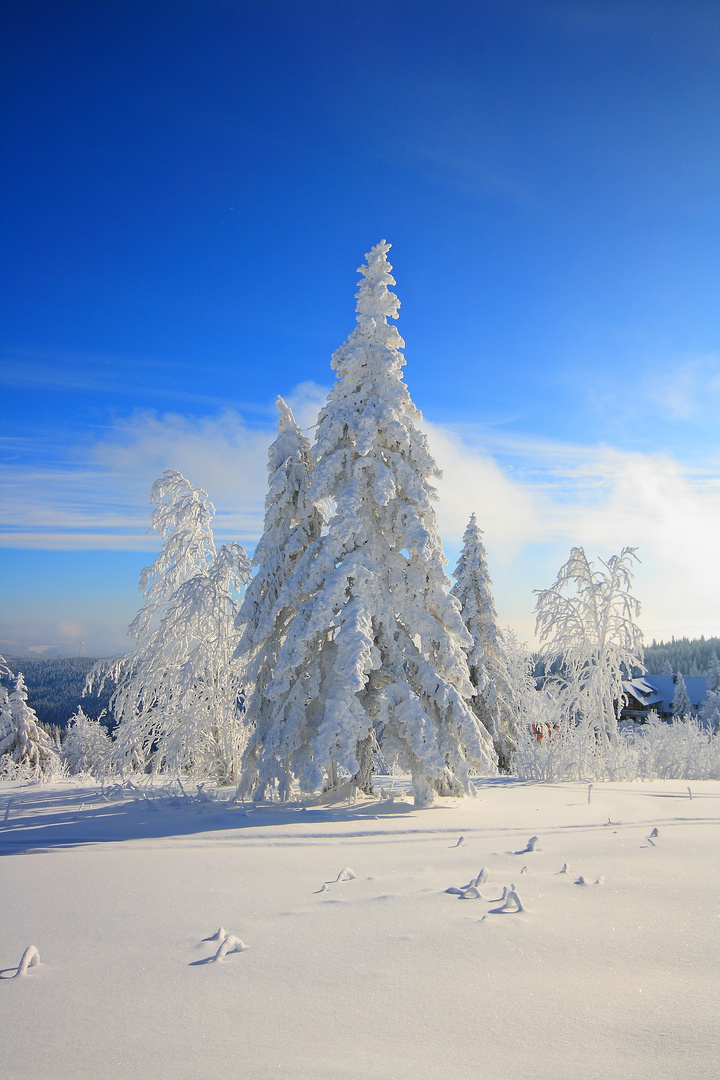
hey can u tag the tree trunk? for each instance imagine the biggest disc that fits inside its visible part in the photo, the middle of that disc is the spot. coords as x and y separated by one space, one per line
362 780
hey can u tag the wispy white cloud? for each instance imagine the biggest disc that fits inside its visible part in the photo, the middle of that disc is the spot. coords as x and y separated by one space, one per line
96 373
537 499
87 632
678 396
96 495
534 500
104 497
306 401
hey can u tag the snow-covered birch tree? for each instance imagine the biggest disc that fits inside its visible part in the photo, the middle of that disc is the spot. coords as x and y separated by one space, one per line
487 662
292 525
22 739
178 696
183 519
587 617
376 651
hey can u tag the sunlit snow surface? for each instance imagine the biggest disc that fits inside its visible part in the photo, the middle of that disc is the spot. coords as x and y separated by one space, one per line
610 970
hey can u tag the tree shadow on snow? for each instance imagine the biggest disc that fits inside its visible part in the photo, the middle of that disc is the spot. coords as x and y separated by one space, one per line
42 819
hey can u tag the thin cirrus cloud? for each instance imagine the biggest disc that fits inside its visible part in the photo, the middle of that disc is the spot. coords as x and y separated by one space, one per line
534 500
674 399
96 496
687 391
93 373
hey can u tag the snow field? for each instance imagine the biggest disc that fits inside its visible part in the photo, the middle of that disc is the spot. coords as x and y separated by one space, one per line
382 975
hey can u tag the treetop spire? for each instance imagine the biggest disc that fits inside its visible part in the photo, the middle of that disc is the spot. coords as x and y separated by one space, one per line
374 300
286 419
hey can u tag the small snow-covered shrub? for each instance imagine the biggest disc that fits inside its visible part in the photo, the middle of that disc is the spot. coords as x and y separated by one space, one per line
12 770
567 751
25 770
86 747
562 750
682 750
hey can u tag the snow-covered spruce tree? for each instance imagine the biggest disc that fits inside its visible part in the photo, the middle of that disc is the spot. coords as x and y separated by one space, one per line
22 739
710 711
486 659
292 525
376 651
86 746
681 704
592 628
178 697
5 674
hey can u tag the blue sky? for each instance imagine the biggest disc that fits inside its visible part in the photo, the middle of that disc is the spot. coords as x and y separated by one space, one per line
189 187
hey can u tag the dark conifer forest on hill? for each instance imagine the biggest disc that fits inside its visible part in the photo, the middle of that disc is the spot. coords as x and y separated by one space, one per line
55 684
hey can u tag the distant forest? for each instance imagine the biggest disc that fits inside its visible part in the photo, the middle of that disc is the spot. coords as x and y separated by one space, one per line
55 684
682 656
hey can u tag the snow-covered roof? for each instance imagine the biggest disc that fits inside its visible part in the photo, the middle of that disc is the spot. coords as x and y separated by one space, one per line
642 690
657 691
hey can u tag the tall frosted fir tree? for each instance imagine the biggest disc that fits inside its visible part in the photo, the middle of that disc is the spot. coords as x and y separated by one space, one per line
681 704
21 737
486 659
376 652
710 710
292 525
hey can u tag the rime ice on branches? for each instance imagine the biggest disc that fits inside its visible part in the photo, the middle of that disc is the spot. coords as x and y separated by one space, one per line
178 696
26 744
375 654
292 526
492 698
587 618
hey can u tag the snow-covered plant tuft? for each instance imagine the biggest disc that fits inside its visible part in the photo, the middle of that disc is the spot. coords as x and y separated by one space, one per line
375 652
486 659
